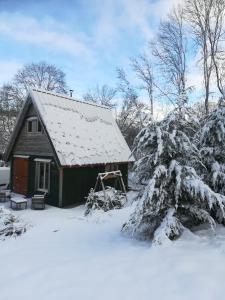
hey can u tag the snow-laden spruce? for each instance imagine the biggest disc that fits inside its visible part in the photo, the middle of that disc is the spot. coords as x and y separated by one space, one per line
211 143
174 195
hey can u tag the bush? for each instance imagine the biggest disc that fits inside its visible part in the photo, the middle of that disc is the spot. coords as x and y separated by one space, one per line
10 225
96 200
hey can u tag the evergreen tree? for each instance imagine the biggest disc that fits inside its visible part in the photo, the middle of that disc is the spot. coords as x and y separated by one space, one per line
174 194
211 143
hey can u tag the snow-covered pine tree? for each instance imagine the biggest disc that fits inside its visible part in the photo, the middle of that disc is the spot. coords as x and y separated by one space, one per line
211 139
169 167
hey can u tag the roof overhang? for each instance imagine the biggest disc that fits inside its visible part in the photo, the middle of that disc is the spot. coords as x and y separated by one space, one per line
33 98
17 128
98 164
19 122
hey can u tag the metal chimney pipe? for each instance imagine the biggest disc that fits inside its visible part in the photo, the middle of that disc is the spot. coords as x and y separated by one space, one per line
71 93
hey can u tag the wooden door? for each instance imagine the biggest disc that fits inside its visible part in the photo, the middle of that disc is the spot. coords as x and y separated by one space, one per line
20 175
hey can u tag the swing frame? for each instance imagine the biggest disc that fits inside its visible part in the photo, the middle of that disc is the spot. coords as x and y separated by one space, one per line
117 175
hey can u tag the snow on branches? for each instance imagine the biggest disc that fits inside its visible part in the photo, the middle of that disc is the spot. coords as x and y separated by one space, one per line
10 225
112 199
211 142
169 167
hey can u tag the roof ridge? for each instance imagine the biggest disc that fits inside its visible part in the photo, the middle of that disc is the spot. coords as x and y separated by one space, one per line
68 98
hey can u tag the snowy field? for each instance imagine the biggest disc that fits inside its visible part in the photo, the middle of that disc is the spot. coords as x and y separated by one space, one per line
65 255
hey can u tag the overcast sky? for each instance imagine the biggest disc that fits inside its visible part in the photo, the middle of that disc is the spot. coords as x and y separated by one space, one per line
87 39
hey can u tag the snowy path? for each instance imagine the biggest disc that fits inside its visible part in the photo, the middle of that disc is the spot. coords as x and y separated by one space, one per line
66 256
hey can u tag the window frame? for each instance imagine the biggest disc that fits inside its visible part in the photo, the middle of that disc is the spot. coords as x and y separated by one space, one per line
110 167
37 177
35 129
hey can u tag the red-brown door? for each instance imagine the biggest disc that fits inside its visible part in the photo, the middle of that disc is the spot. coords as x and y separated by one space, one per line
20 175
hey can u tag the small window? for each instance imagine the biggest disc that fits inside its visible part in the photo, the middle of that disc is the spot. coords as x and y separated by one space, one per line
42 176
39 127
111 167
29 126
33 125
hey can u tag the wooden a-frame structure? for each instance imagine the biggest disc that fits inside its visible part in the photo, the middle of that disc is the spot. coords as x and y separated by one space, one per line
116 175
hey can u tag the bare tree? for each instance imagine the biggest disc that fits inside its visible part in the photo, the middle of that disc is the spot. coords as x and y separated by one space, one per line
12 95
103 95
134 114
219 63
170 50
128 91
143 69
10 104
206 18
41 75
199 109
215 30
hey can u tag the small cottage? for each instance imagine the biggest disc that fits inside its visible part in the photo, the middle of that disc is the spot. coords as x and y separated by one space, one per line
60 144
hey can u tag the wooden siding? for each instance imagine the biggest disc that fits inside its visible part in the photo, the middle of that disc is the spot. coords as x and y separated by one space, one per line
53 197
32 143
77 182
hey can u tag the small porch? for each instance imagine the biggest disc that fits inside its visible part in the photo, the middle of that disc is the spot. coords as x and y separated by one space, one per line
31 175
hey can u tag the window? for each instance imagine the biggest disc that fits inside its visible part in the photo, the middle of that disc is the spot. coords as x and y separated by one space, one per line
42 175
39 127
111 167
33 125
30 126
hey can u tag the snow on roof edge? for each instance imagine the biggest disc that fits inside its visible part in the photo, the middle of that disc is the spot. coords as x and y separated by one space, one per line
67 97
62 157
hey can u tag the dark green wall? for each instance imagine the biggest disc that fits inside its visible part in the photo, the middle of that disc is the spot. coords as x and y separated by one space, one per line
124 170
54 186
77 182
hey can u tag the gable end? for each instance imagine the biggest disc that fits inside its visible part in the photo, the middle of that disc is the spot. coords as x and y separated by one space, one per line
24 143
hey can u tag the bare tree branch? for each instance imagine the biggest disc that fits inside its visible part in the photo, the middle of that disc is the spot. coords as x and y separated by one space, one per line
206 18
41 75
12 95
170 50
133 114
143 69
103 95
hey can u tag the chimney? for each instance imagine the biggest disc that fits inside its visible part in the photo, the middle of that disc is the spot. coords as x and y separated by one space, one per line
71 93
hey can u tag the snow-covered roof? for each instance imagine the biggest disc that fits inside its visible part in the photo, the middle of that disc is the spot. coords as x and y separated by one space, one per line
82 133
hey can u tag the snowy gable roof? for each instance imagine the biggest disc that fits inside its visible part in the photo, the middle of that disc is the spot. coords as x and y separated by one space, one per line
81 133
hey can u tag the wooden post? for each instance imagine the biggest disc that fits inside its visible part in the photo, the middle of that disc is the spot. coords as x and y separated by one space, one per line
124 189
103 187
96 184
60 187
117 175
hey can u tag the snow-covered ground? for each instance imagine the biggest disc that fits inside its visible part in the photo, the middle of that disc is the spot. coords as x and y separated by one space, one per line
65 255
